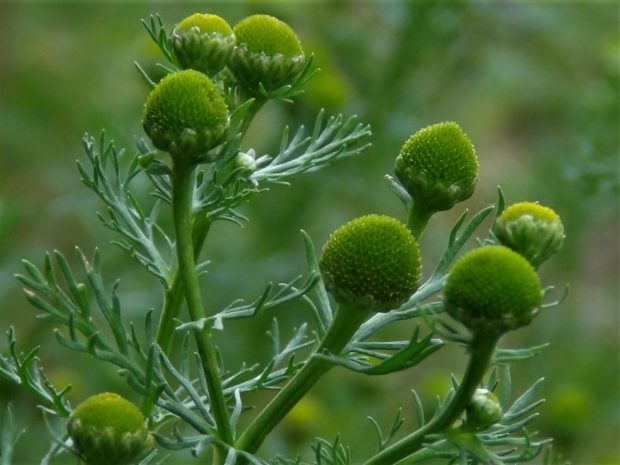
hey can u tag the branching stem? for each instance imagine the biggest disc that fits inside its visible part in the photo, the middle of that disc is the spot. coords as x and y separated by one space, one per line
482 347
182 194
345 323
174 296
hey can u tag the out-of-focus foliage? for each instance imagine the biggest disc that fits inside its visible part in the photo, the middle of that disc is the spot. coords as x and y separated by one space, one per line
535 85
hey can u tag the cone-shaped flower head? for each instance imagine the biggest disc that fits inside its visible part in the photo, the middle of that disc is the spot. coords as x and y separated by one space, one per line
203 42
492 289
107 429
372 263
268 52
186 115
484 410
534 231
438 166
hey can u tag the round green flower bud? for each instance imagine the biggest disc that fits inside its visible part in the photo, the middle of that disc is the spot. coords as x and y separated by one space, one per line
186 115
484 410
534 231
492 289
268 52
372 263
107 429
203 42
438 166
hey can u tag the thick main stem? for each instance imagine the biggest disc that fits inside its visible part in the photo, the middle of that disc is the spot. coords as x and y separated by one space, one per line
481 347
182 194
344 325
174 296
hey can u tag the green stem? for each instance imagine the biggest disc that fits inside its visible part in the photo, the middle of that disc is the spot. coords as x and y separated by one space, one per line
418 218
173 299
346 322
182 196
482 347
256 105
174 296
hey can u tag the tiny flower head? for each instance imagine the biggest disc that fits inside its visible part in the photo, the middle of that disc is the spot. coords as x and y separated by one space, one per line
534 231
484 410
268 53
372 262
438 166
492 289
108 429
203 42
186 115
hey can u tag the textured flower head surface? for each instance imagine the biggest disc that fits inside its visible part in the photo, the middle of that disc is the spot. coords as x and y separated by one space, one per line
493 289
267 34
185 114
107 428
203 42
534 231
438 166
206 23
268 54
372 262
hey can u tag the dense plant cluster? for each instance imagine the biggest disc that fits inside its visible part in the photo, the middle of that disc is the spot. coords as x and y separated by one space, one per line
187 397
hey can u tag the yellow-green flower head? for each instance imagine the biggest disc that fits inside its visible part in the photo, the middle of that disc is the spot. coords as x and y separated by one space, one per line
186 115
372 263
206 23
203 42
484 410
438 166
534 231
493 289
107 429
268 52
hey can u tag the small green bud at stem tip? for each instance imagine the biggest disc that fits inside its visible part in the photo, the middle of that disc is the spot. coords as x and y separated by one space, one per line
532 230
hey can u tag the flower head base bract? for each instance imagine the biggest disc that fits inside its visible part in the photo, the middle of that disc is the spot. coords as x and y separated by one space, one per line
438 166
493 290
203 42
267 53
484 410
532 230
108 429
186 115
372 263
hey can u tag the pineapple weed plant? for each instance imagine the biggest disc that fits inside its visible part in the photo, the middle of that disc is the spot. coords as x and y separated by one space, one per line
367 277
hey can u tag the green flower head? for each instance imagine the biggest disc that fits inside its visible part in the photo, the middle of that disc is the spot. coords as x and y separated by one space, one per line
206 23
372 263
107 429
534 231
438 166
268 35
268 53
493 289
203 42
186 115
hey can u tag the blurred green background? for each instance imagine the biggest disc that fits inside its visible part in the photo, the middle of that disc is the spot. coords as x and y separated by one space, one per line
534 84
